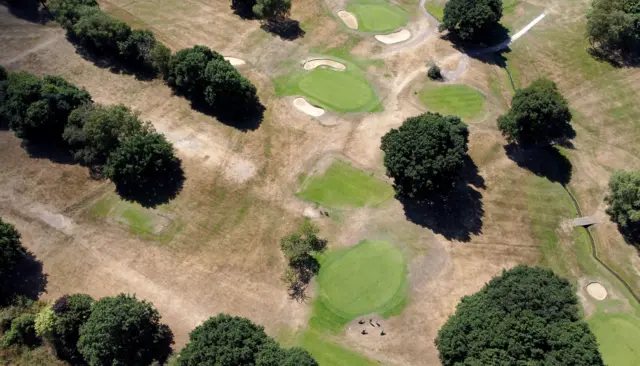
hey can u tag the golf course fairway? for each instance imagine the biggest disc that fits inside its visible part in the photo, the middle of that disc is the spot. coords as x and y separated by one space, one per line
617 336
458 100
377 15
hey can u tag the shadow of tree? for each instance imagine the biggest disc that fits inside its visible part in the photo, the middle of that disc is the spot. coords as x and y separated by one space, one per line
156 189
456 214
243 8
29 10
247 118
56 151
27 280
545 162
615 59
494 37
287 29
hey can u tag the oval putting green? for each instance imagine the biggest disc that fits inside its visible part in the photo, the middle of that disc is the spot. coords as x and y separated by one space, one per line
377 15
457 100
339 91
617 336
370 277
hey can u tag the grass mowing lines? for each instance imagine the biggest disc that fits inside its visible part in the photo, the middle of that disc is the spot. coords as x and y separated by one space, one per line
342 185
457 100
378 15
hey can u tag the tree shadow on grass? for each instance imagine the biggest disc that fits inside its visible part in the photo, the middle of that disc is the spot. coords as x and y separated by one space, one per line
545 162
287 29
29 10
27 280
615 59
247 118
157 189
57 152
456 214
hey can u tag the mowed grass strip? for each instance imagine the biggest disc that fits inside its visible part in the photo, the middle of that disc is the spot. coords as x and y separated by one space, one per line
457 100
617 336
378 15
328 353
342 185
370 277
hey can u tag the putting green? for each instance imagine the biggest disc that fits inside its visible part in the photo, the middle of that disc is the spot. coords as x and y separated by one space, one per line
370 277
617 336
342 185
457 100
378 15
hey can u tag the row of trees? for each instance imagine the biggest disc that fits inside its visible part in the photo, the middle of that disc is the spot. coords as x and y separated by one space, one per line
112 140
199 73
122 330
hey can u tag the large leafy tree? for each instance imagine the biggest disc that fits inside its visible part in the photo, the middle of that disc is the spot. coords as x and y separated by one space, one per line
122 330
528 315
425 153
101 32
539 115
226 88
71 312
272 9
624 200
613 27
11 254
472 20
68 12
93 131
187 68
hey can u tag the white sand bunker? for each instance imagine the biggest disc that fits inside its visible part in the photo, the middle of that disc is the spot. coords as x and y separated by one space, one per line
396 37
348 19
312 64
302 105
235 61
597 291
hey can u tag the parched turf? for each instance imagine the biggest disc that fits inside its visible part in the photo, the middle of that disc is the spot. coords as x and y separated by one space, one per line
457 100
342 185
378 15
618 336
370 277
338 91
328 353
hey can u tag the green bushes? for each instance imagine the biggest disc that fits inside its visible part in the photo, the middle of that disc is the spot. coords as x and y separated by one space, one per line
624 202
11 254
22 332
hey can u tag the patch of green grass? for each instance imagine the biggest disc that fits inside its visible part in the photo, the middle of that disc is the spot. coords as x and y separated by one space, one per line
139 221
370 277
435 8
378 15
458 100
342 185
617 336
328 353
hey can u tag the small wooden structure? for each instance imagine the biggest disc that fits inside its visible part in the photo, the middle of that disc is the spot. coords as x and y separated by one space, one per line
585 221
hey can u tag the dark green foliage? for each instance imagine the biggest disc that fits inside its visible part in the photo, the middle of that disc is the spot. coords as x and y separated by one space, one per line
22 332
425 154
613 28
38 108
624 200
124 331
137 48
539 115
71 312
298 248
101 32
3 73
145 168
243 8
67 12
273 355
160 58
297 357
187 69
11 254
434 72
471 20
93 131
526 316
272 8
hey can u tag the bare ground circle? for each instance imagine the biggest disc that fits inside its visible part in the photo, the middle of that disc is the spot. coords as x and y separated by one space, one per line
348 19
395 37
597 291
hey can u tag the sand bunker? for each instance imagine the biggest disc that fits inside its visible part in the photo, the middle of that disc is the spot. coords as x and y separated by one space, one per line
235 61
348 19
302 105
597 291
395 37
312 64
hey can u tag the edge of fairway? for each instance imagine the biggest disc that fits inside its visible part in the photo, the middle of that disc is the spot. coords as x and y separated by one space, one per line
429 87
353 5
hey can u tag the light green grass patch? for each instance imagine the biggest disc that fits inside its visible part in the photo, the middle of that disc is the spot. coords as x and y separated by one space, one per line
342 185
378 15
435 8
370 277
618 336
328 353
457 100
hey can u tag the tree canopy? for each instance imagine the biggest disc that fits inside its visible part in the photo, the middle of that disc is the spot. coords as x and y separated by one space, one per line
122 330
472 20
272 8
425 154
624 199
613 28
71 312
527 315
539 115
11 254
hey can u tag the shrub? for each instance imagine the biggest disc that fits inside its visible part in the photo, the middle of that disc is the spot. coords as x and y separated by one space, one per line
137 47
44 323
434 72
101 32
71 312
226 89
68 12
160 59
425 154
22 332
11 254
472 20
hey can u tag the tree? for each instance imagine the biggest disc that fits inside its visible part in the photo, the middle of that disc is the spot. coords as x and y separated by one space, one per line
122 330
22 332
187 69
160 59
472 20
137 47
226 89
272 9
613 28
68 12
93 131
434 72
243 8
71 312
624 200
297 357
44 322
22 90
528 315
144 168
3 73
11 254
425 153
101 32
539 115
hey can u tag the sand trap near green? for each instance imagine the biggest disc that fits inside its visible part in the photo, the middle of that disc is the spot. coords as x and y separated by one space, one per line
457 100
377 15
618 336
342 185
370 277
